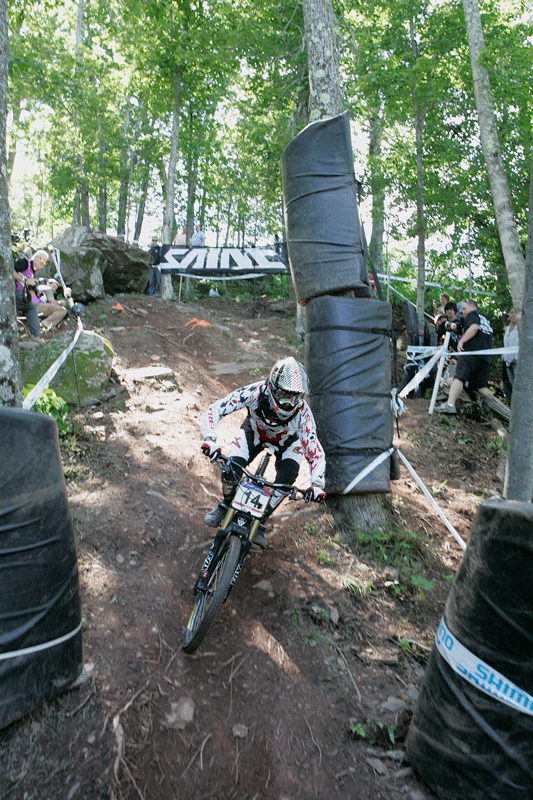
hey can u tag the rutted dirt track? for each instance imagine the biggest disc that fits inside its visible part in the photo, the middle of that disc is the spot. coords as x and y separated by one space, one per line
317 643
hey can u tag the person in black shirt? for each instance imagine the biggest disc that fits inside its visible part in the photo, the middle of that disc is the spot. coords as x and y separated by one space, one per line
472 371
154 279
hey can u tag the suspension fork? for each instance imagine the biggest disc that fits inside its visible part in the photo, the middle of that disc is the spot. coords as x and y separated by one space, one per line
201 581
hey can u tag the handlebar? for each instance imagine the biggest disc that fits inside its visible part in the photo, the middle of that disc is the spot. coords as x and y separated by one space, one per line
292 492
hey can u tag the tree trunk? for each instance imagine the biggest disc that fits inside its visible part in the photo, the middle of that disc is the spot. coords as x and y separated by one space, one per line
168 218
377 189
519 482
81 215
124 177
13 138
228 223
145 181
325 96
519 473
418 118
10 380
325 100
102 188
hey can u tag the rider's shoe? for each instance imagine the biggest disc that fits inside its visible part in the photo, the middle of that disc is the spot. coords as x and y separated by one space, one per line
259 541
214 517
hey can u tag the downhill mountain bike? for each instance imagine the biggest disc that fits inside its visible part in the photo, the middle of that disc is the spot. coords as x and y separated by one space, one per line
231 545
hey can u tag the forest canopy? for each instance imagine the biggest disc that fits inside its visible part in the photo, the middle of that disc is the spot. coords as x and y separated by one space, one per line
104 99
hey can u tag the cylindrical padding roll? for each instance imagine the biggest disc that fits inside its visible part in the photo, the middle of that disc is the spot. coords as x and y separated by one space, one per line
348 361
40 612
472 732
323 230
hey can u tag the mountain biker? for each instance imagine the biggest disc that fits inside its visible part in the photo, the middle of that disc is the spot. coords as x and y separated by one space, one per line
278 415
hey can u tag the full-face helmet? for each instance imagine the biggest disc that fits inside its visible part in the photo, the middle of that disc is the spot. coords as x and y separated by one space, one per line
286 386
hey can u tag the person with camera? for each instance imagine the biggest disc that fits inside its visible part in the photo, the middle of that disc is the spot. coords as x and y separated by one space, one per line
154 279
52 309
452 323
24 270
473 371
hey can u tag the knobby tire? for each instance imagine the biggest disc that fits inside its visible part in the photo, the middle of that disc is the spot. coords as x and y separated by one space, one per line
207 605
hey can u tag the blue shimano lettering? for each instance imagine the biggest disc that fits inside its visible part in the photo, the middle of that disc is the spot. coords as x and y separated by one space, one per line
492 682
482 671
520 699
443 637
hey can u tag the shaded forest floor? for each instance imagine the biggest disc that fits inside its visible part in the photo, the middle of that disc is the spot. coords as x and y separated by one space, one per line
305 685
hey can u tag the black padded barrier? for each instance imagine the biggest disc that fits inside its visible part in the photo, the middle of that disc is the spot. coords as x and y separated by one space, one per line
465 742
349 366
40 614
324 237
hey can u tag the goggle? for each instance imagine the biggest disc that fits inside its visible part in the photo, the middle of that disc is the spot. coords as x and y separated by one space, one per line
284 397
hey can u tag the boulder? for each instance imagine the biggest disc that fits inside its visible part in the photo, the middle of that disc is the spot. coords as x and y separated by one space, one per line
94 264
93 357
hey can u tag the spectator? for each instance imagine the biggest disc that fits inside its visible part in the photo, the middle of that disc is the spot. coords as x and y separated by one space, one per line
440 319
198 238
25 282
154 279
51 309
451 323
510 339
472 371
443 299
180 239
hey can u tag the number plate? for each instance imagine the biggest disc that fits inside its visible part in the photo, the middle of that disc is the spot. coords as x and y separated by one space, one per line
252 499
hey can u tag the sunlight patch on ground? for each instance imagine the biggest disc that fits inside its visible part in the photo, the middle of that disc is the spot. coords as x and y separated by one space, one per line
263 640
99 579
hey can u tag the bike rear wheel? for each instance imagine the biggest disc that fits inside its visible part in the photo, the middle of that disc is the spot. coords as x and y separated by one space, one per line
208 603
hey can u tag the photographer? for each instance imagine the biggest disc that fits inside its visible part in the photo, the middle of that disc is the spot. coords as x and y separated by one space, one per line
25 282
472 371
53 310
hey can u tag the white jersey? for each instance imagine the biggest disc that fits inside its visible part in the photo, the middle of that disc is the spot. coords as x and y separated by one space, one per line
268 428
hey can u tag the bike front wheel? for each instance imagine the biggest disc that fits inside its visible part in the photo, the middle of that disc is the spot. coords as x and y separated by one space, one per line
207 605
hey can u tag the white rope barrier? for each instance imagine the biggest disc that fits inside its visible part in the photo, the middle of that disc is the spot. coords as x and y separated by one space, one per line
450 527
373 464
378 460
419 377
27 651
440 352
39 387
436 385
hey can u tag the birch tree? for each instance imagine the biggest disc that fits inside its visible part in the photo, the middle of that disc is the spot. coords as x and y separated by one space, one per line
519 478
10 389
326 100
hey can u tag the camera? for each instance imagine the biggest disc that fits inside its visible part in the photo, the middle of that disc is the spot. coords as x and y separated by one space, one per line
451 326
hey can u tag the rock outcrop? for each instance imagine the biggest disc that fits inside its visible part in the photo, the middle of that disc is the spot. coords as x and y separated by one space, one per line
87 369
94 264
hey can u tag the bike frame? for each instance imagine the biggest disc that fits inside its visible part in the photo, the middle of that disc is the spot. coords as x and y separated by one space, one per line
245 527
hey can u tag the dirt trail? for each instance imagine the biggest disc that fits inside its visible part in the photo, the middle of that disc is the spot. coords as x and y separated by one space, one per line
304 686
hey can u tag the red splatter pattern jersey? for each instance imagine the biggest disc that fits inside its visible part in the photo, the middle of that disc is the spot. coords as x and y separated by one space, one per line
268 428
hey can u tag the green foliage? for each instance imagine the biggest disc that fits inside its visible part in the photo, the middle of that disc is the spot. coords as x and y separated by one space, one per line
391 545
357 730
498 445
357 587
238 73
404 551
324 557
52 404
